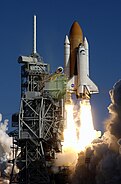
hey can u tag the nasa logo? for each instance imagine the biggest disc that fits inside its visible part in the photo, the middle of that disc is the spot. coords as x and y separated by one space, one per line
72 85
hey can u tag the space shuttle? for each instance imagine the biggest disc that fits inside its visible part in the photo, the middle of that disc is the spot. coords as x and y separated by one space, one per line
76 64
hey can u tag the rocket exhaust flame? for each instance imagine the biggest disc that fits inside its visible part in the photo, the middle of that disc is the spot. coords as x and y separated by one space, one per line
76 138
70 137
69 155
87 133
86 129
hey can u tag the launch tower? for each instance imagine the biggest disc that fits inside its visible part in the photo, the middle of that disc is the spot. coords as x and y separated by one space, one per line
39 123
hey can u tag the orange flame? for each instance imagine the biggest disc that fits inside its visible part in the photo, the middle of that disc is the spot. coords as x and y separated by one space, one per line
86 129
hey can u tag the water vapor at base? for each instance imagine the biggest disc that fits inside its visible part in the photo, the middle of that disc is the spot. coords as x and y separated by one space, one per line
5 150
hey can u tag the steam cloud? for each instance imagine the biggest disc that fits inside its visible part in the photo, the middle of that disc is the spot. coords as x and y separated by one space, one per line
5 151
101 163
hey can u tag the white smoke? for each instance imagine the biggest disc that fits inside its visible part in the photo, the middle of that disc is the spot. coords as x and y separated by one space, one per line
67 158
5 147
101 163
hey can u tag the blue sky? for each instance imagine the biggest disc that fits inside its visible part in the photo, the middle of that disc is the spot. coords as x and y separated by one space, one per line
101 24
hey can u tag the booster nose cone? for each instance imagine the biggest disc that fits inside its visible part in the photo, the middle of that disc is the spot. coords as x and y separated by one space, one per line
66 40
76 38
86 43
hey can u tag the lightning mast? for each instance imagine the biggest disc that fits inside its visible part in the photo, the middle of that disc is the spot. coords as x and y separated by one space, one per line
34 46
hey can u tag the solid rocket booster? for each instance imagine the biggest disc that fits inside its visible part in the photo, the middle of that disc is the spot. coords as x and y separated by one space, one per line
67 57
76 58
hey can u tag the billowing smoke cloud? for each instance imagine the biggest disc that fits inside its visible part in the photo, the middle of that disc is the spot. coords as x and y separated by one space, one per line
5 150
101 163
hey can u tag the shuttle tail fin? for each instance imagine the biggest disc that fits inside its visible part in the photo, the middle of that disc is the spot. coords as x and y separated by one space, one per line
91 86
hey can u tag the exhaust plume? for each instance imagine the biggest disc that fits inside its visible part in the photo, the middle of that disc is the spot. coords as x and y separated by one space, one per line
100 163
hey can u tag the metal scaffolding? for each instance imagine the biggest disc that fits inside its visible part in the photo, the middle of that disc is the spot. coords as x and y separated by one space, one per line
39 123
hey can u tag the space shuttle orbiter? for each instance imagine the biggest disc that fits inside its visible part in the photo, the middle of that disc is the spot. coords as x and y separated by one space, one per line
76 61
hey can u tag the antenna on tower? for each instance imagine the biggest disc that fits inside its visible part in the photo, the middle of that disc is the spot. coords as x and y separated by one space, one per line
34 44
